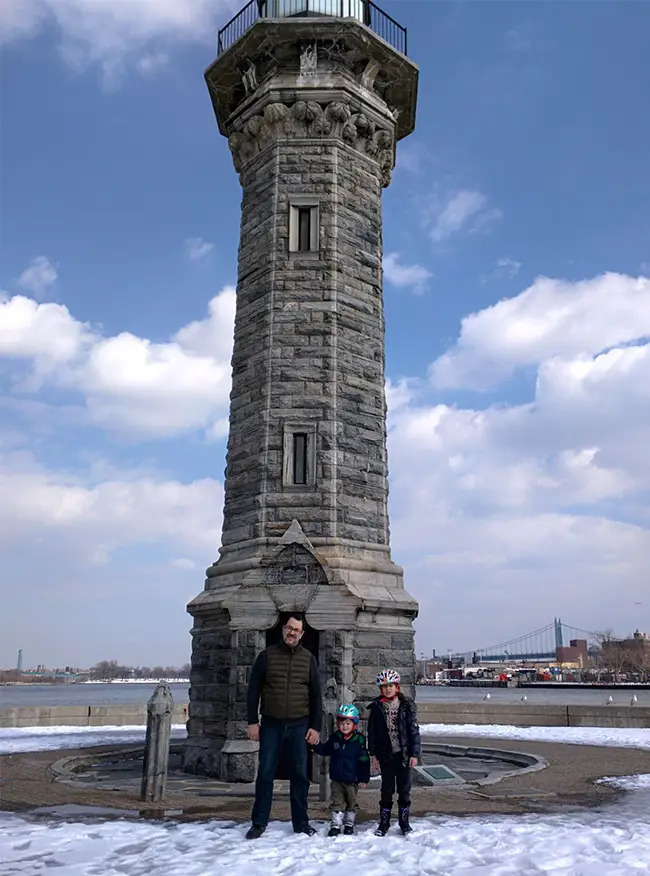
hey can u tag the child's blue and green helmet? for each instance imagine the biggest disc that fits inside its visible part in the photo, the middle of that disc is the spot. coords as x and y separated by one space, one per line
347 710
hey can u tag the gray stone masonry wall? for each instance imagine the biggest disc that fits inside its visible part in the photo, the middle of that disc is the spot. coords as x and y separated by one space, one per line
308 349
308 357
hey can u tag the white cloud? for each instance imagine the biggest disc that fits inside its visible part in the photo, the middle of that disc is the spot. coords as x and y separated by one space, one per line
506 269
111 32
405 276
39 277
98 563
108 514
550 318
466 210
46 333
152 62
20 18
197 248
536 509
130 384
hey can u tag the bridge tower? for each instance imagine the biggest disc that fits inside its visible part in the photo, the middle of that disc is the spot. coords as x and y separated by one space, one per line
312 96
557 624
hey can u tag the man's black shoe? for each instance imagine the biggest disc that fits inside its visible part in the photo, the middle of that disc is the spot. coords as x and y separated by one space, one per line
306 828
255 831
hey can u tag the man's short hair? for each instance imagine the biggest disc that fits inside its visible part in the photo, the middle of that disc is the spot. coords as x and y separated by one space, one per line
297 616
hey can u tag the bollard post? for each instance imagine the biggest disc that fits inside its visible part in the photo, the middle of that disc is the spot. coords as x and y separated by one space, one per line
156 748
330 705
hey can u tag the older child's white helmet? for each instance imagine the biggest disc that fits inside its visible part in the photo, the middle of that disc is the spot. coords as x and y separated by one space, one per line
388 676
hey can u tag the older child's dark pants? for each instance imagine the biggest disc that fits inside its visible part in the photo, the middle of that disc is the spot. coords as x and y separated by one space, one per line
394 775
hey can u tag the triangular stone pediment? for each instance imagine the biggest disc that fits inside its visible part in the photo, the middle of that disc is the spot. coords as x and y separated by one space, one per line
296 535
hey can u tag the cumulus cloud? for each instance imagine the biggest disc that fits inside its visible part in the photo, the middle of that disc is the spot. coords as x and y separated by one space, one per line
46 333
101 562
413 277
525 511
129 384
550 318
104 515
39 277
466 210
109 33
197 248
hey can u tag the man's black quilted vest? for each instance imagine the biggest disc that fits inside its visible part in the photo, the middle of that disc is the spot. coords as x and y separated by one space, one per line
285 691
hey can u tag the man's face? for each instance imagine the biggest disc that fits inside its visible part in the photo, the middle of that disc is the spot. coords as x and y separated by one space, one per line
292 632
388 691
346 725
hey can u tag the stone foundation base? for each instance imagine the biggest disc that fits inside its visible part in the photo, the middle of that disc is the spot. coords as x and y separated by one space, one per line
202 756
239 760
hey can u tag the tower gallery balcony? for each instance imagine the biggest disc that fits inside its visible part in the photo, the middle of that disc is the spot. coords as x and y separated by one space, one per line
364 11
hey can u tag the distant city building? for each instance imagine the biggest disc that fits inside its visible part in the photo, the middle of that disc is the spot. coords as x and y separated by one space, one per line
576 653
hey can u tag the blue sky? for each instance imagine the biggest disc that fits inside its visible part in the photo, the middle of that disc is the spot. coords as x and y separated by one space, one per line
517 252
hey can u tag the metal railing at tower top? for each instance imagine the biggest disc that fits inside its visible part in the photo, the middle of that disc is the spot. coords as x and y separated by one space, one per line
363 10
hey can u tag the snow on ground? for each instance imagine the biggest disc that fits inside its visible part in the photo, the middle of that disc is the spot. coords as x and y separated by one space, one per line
17 739
613 840
619 737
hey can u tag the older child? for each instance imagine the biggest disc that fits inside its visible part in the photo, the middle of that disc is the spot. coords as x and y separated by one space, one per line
394 743
349 768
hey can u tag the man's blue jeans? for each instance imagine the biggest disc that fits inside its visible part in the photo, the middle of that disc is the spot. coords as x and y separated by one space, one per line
278 738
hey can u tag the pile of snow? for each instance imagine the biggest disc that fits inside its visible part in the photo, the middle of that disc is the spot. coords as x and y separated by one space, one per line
17 739
619 737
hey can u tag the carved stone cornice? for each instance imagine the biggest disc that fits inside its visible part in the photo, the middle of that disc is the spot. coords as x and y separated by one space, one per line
308 119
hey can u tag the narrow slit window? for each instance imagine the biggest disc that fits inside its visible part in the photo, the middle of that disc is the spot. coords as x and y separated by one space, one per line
304 229
300 458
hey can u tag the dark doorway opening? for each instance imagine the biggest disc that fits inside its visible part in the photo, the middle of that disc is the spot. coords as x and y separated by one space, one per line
310 640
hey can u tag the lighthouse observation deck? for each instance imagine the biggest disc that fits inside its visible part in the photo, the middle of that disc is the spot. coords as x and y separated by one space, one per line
364 11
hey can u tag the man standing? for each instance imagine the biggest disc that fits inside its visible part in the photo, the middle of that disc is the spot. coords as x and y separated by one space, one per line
285 677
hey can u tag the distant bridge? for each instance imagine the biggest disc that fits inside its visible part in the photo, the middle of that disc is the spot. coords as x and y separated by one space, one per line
539 645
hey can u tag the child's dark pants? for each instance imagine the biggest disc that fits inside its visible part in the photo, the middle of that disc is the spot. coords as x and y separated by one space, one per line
395 776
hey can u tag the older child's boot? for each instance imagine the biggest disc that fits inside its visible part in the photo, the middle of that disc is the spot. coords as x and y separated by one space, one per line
336 821
348 822
403 820
384 822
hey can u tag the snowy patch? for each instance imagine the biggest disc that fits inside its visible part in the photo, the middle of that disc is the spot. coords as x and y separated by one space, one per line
612 840
619 737
16 739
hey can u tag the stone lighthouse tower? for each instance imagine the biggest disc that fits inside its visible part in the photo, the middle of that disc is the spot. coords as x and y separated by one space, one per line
312 96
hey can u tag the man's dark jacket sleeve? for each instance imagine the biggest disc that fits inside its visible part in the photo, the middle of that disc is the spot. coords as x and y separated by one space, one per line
315 698
254 692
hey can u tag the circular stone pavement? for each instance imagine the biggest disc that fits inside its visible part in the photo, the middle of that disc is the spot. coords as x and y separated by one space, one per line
33 780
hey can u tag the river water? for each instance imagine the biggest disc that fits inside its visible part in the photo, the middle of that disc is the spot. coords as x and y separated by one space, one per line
135 694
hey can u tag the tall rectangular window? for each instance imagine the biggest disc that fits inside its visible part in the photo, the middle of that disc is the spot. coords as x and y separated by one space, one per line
299 455
300 458
303 225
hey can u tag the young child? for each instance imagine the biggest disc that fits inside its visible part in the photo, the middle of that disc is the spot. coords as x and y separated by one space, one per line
394 744
349 768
